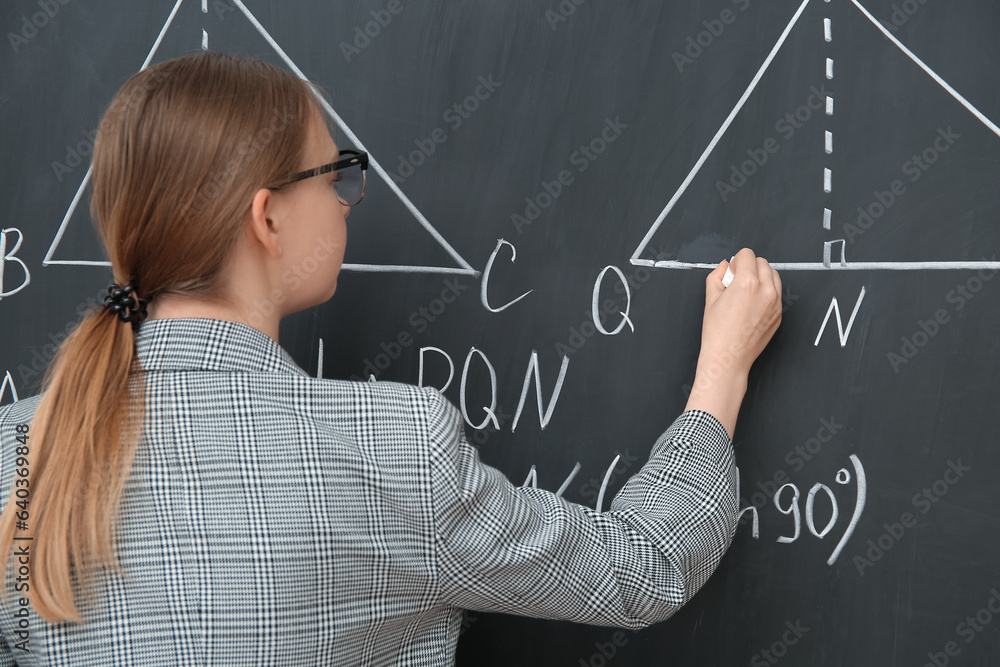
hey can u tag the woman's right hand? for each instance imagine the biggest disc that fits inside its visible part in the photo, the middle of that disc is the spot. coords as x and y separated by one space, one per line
738 323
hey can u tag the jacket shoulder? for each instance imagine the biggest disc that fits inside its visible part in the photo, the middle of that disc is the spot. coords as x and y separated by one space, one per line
429 410
420 399
18 412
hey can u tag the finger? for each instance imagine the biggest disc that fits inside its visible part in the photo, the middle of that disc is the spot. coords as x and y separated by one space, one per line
768 275
777 281
764 272
713 283
743 263
777 303
780 305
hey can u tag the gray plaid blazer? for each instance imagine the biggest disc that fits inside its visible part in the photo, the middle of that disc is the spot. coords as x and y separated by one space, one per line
272 518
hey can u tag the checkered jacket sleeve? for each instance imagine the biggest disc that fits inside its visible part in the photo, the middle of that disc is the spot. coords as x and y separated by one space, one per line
526 551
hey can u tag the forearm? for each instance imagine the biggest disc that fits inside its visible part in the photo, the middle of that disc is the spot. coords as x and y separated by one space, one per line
718 391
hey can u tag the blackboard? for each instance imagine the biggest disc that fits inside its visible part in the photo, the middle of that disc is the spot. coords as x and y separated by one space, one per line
577 143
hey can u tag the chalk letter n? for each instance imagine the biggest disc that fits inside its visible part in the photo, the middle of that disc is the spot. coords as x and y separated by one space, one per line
841 331
544 414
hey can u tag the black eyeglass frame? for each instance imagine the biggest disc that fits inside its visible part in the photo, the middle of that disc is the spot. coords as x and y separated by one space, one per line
349 158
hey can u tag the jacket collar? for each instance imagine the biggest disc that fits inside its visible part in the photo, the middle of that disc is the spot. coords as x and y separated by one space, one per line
194 343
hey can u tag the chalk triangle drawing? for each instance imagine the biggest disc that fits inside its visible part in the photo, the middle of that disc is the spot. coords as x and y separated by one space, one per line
462 268
830 261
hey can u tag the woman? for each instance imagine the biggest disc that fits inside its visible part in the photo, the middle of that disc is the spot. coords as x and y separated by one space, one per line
183 493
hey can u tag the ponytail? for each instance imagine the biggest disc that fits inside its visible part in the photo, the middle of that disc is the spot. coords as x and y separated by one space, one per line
83 439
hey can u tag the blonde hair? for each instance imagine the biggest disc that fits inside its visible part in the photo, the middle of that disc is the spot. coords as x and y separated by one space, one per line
180 152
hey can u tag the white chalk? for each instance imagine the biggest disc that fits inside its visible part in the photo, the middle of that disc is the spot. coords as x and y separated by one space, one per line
727 279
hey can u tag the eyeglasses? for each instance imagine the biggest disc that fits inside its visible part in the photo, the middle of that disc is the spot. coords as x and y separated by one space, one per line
350 182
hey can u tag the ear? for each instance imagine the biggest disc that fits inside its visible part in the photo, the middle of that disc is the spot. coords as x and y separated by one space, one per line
261 224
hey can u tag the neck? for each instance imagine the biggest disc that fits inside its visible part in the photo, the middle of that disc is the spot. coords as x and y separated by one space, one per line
167 306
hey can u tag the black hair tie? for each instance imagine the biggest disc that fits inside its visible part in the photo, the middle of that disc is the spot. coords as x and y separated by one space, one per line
124 302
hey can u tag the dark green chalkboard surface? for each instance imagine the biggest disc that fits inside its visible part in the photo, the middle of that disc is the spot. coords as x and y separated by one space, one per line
594 157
